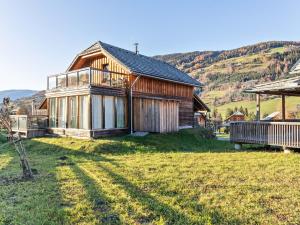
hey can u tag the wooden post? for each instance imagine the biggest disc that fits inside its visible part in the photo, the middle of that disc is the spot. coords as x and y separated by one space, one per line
90 112
283 107
257 107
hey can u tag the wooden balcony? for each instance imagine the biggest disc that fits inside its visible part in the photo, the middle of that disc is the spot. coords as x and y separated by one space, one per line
87 77
29 126
286 134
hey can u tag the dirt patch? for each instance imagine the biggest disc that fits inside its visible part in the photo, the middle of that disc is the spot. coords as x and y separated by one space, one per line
13 180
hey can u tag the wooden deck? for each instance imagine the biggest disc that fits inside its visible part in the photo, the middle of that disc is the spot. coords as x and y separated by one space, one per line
286 134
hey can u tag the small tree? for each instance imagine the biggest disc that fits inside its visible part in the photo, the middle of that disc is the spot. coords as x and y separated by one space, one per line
6 124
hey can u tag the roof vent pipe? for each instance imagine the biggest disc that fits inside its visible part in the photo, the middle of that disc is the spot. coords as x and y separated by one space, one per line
136 48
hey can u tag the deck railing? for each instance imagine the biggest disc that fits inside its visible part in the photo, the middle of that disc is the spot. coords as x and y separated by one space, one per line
87 76
23 123
269 133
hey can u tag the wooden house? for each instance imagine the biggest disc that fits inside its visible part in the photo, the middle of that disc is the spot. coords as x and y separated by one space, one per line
109 90
281 132
201 110
236 116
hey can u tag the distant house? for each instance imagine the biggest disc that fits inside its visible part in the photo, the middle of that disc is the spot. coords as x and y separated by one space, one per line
109 90
201 110
236 116
273 116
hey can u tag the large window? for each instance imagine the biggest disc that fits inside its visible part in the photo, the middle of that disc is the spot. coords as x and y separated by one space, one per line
97 111
73 112
52 112
83 112
120 112
109 112
62 112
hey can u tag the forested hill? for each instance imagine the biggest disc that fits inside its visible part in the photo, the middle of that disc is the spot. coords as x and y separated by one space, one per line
225 73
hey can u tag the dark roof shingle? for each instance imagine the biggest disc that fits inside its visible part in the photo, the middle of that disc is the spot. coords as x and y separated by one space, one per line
144 65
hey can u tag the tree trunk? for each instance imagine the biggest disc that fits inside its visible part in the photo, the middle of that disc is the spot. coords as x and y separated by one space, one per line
26 169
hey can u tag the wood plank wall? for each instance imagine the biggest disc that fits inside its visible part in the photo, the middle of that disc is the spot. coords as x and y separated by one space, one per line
162 88
148 87
186 113
155 115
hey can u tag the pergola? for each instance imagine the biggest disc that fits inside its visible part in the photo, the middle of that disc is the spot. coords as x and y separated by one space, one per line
284 133
286 87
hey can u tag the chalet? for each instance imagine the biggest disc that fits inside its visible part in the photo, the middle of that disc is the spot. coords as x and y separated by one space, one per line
236 116
282 131
109 90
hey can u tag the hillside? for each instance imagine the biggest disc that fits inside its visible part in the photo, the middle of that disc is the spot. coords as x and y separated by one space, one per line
16 94
226 73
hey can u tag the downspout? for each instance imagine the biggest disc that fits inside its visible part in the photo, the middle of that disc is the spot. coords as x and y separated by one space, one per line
131 114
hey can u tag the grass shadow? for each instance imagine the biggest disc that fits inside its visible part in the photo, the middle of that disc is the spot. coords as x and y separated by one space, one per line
101 206
170 214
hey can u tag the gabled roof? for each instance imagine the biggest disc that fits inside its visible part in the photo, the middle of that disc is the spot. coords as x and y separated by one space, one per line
272 116
289 86
236 113
141 64
199 105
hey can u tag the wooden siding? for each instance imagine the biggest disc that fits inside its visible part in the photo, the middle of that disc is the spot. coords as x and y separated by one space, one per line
154 115
186 113
269 133
162 88
98 62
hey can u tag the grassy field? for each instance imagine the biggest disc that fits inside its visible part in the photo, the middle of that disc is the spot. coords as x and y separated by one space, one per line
267 106
159 179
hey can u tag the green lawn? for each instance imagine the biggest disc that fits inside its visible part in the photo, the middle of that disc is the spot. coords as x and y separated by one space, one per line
158 179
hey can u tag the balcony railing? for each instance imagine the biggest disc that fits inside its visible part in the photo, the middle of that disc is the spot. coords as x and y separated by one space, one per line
22 123
87 77
269 133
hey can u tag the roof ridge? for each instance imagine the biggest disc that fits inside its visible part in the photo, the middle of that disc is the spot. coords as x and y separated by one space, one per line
142 64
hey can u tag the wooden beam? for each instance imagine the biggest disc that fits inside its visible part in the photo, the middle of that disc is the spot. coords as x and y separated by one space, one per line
257 107
283 106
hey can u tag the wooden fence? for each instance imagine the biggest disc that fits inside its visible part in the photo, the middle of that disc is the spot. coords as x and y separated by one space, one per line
269 133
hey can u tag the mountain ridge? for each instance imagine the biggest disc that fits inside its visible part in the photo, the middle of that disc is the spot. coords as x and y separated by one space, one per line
225 73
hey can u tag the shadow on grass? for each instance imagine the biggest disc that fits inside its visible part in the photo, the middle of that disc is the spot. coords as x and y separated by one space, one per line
160 209
101 205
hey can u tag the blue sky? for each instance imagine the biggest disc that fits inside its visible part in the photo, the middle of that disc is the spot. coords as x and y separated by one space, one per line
38 38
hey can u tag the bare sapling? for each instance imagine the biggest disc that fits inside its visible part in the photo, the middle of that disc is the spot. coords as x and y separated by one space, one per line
15 139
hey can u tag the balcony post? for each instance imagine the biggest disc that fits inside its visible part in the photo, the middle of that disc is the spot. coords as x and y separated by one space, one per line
283 107
110 79
258 107
90 76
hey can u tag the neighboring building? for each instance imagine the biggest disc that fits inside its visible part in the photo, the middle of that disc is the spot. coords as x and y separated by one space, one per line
236 116
108 90
201 109
273 116
283 132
